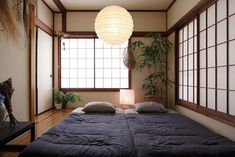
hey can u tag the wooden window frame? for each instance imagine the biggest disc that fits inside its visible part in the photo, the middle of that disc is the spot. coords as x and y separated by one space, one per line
212 113
86 89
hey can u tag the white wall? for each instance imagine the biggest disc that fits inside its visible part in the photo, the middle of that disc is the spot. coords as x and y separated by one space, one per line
44 14
14 62
176 12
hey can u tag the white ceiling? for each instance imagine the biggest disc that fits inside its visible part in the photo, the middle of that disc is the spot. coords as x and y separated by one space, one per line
99 4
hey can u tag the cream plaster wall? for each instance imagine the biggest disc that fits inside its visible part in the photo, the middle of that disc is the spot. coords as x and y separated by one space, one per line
44 14
143 21
178 10
14 63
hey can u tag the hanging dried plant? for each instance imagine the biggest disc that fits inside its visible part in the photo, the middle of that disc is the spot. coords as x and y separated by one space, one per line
7 21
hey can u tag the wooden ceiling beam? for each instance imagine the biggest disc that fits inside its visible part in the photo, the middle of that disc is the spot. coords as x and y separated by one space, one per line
60 5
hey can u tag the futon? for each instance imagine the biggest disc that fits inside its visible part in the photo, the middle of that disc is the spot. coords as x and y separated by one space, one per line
174 135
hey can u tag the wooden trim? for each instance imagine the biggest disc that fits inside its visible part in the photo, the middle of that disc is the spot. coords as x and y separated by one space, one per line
48 6
59 63
53 60
59 5
44 27
36 72
170 5
202 5
32 60
206 58
64 22
92 89
130 10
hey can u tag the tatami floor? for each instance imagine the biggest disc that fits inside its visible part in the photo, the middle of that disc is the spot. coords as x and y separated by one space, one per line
43 122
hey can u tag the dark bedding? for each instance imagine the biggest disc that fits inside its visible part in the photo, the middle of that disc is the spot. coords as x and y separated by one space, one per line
173 135
85 135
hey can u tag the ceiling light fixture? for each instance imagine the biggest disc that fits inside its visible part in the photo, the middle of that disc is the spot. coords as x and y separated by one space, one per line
114 25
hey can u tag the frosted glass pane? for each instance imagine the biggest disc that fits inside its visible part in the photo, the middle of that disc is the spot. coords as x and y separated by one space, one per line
115 73
222 54
221 101
211 57
203 77
185 62
180 64
99 53
195 95
180 36
81 53
202 96
90 53
211 78
82 83
73 63
211 36
180 78
115 83
99 73
221 32
99 63
190 62
195 78
99 43
232 78
73 83
203 40
211 15
99 83
90 43
64 53
64 83
124 83
73 53
115 63
81 73
190 94
221 77
124 73
64 43
203 59
73 43
64 63
195 27
73 73
185 74
89 73
231 7
232 52
185 93
65 73
180 92
107 63
107 83
185 48
107 53
81 63
185 33
82 43
203 20
107 73
231 103
190 44
195 60
115 53
180 50
89 83
221 9
231 27
195 44
90 63
190 26
190 75
211 99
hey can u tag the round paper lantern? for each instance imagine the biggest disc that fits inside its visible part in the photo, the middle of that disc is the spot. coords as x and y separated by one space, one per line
114 25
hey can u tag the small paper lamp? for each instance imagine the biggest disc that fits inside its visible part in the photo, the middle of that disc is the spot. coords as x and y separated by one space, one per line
127 97
114 25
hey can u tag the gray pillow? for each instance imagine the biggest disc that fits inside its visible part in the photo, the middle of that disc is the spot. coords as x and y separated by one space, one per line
149 107
99 107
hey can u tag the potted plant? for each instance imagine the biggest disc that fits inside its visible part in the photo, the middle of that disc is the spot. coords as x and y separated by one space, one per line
152 56
58 98
70 97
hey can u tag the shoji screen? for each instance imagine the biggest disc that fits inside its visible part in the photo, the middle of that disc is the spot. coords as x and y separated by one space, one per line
215 86
188 62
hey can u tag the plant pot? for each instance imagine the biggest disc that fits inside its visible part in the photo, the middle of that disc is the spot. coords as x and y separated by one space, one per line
2 112
58 106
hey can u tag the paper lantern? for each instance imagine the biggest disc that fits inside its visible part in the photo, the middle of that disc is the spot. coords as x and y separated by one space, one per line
127 96
114 25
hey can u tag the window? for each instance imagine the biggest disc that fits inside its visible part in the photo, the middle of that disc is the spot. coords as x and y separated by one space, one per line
206 69
89 63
